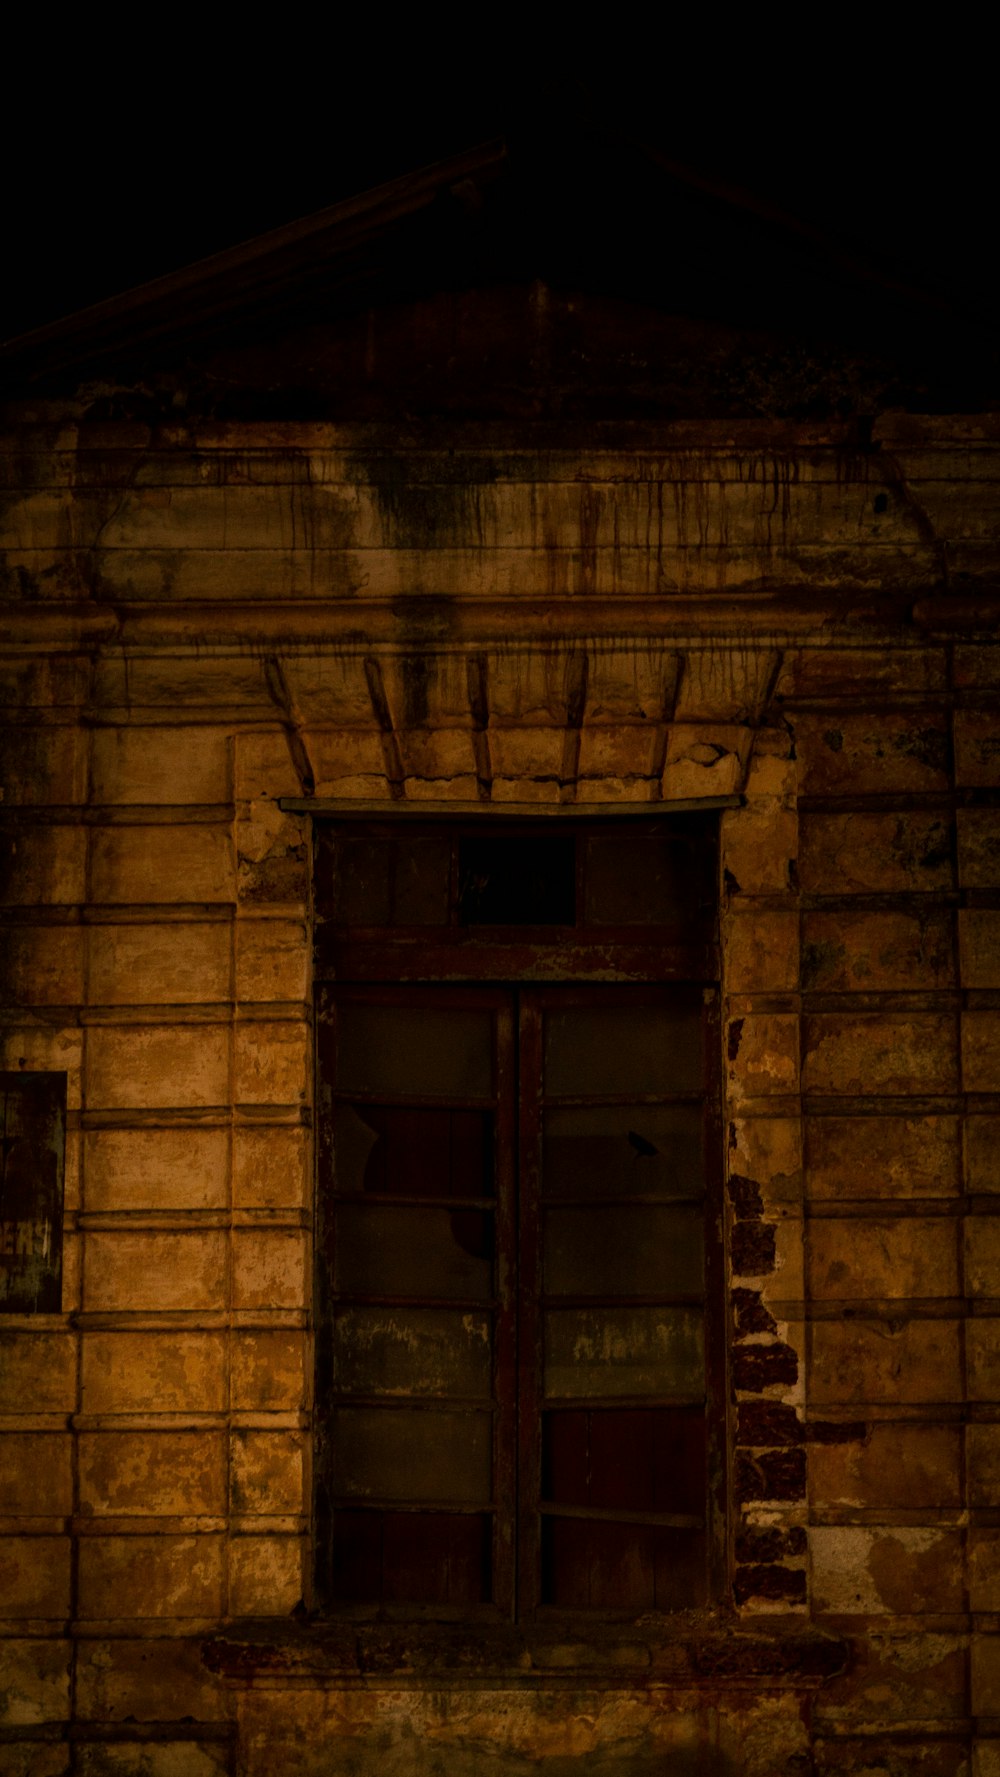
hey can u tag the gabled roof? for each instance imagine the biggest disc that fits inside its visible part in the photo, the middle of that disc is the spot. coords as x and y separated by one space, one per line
583 204
245 275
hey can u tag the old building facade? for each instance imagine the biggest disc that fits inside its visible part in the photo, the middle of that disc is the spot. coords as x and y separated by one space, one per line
492 560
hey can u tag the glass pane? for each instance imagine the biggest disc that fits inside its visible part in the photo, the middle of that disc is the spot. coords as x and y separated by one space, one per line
636 1459
387 881
414 1049
412 1351
360 874
412 1557
420 885
623 1151
621 1566
383 1251
623 1252
516 882
408 1454
596 1050
648 879
603 1352
413 1150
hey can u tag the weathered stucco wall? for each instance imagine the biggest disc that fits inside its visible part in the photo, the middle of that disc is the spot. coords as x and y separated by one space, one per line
202 624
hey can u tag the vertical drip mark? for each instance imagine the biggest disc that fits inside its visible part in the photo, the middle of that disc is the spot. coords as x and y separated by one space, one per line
390 744
476 683
577 669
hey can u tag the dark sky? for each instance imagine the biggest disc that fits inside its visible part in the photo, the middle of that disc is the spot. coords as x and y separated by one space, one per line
129 156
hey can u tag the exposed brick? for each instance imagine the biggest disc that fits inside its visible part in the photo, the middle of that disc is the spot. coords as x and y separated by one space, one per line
768 1423
769 1581
750 1314
745 1194
756 1544
756 1367
752 1248
770 1474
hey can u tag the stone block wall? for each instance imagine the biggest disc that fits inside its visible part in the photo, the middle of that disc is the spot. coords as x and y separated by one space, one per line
167 687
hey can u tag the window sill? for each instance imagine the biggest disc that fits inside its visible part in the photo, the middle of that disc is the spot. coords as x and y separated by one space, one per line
690 1650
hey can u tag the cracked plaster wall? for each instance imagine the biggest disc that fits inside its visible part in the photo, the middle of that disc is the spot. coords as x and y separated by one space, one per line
154 1457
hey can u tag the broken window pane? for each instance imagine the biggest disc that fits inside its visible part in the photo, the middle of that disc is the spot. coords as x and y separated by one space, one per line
623 1151
639 1251
421 1050
517 881
604 1051
413 1150
380 1250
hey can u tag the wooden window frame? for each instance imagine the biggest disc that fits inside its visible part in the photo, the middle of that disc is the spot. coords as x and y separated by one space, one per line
490 966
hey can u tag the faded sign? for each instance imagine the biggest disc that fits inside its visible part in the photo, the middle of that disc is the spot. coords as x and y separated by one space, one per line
32 1143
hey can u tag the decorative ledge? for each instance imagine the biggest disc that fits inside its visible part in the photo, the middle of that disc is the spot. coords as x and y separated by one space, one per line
687 1652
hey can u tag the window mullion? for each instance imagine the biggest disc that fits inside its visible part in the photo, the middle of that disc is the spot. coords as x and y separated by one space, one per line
505 1313
529 1392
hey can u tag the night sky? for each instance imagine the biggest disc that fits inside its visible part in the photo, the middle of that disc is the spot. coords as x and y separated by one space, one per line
135 147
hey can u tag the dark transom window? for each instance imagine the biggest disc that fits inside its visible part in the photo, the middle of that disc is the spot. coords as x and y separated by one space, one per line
518 1401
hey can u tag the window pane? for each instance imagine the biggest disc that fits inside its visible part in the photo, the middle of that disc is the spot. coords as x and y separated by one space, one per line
389 881
360 873
380 1250
638 1459
621 1566
603 1352
412 1351
648 879
516 882
407 1454
623 1150
413 1150
408 1557
414 1049
420 887
623 1252
596 1050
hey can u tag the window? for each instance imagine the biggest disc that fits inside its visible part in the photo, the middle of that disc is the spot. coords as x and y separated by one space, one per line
32 1146
518 1401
